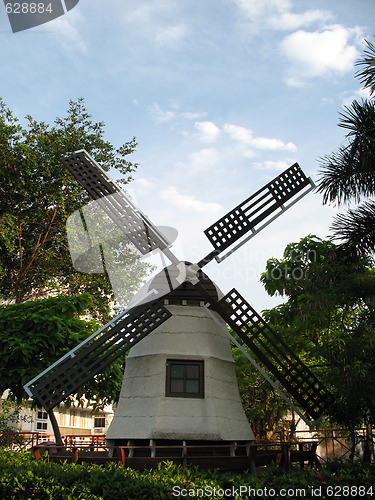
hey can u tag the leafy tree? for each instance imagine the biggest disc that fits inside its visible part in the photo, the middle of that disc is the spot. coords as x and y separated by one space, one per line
263 407
37 196
329 319
34 334
9 414
348 175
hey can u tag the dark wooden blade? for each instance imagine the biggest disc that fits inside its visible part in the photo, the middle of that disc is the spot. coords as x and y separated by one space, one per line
140 231
274 354
254 210
82 364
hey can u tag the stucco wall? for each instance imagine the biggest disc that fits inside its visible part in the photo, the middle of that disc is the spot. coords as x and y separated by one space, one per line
144 412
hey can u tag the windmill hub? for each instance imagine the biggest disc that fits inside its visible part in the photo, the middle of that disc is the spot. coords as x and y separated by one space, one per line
181 282
188 272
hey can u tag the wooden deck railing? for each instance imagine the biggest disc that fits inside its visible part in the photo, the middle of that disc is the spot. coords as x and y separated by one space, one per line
329 444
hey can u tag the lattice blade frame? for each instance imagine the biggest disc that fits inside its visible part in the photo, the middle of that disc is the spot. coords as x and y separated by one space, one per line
111 198
256 209
274 354
87 360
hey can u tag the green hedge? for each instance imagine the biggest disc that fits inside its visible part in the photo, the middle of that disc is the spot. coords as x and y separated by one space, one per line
21 476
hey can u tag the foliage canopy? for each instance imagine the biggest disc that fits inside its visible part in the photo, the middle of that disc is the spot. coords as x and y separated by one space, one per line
329 320
34 334
37 196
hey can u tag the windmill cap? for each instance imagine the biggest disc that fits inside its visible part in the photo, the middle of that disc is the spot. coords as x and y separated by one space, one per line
181 293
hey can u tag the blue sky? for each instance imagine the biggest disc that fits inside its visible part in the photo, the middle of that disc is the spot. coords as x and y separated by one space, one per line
221 95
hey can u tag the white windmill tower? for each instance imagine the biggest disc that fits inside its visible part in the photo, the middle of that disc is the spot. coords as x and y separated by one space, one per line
179 382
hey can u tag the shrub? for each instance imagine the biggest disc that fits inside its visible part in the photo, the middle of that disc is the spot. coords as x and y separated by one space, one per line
21 476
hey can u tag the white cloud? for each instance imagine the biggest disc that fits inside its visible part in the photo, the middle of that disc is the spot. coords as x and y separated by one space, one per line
245 136
319 53
256 9
278 15
65 28
239 134
170 34
272 144
172 114
189 115
277 166
205 158
209 132
295 81
292 21
156 21
358 96
188 203
326 101
161 116
142 183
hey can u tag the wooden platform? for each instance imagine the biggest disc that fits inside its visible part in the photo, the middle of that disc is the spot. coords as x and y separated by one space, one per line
220 457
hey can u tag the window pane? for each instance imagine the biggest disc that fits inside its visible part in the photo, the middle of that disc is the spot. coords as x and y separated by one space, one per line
177 386
99 422
192 372
192 386
177 371
185 379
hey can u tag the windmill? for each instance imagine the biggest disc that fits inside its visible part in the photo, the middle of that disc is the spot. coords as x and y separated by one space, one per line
154 315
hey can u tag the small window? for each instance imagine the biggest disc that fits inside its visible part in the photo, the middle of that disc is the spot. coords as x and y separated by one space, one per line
41 420
184 379
99 422
42 415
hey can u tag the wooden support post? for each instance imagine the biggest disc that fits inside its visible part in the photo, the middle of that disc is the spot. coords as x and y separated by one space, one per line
252 457
184 454
300 449
285 447
369 445
121 456
313 458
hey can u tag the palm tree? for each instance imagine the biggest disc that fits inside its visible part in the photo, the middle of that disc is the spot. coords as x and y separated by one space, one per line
348 175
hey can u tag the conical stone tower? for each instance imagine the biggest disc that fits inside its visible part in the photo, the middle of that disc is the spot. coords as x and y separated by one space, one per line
180 382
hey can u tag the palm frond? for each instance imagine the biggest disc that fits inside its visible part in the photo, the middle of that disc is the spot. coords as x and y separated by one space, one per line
349 173
367 74
355 230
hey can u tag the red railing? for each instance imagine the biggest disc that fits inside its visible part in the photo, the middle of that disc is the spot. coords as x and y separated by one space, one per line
28 440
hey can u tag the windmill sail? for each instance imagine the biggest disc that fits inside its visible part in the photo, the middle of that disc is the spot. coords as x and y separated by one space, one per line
274 354
111 198
255 210
92 356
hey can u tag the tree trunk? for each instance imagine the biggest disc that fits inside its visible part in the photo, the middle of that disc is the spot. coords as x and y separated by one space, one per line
352 436
368 452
